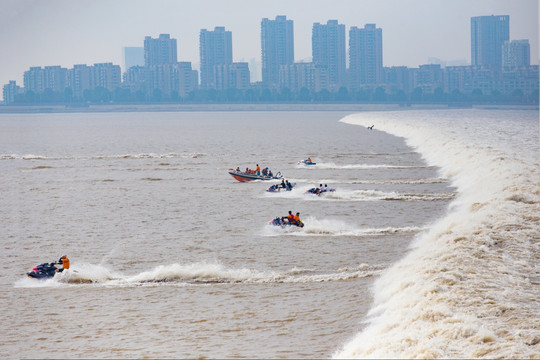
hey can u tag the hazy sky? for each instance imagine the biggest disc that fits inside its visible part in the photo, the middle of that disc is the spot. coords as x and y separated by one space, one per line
68 32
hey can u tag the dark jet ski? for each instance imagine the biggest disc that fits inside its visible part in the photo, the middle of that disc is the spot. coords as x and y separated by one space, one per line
282 222
43 271
279 187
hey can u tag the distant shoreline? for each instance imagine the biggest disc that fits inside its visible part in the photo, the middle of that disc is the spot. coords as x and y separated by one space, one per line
37 109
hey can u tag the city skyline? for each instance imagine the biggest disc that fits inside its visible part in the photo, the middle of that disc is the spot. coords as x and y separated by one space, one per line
35 32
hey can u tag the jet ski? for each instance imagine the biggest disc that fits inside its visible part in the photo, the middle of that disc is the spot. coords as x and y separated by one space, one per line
283 222
279 187
319 191
306 162
43 271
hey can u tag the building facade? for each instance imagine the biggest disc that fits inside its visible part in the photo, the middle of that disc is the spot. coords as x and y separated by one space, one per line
328 49
365 56
488 34
51 78
232 76
215 49
277 48
516 53
10 90
162 50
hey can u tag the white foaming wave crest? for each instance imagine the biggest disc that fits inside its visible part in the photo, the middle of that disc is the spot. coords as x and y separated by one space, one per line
102 157
153 156
469 286
331 227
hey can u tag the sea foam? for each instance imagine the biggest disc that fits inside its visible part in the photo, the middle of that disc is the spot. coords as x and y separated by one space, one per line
469 286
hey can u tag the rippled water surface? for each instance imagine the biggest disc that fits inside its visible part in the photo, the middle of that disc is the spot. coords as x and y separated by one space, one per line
173 258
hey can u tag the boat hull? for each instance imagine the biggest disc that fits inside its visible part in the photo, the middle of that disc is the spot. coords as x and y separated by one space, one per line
243 177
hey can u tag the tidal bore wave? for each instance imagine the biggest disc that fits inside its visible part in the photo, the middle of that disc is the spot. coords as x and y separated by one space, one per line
469 286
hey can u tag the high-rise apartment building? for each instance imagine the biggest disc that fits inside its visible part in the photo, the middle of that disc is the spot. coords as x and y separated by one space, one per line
82 77
488 34
299 76
328 49
277 48
516 53
160 51
39 79
365 56
232 76
215 48
10 91
133 56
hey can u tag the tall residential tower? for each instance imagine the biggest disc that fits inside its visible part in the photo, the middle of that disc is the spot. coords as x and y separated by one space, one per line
215 49
328 49
365 56
488 34
277 48
160 51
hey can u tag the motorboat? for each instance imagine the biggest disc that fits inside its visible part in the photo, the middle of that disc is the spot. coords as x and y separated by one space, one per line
243 176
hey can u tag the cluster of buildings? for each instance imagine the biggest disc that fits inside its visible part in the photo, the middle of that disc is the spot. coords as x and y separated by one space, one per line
498 64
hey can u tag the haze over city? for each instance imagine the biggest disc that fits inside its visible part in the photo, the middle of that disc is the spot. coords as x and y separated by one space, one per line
61 32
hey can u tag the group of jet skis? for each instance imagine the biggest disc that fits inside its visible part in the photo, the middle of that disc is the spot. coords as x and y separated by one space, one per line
285 185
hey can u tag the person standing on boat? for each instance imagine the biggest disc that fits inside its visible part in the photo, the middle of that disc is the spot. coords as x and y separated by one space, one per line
258 170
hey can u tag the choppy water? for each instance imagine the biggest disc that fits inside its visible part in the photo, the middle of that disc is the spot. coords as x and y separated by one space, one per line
173 258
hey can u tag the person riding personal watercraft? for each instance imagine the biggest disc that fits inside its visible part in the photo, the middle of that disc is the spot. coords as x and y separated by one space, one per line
321 189
290 220
307 162
47 270
288 186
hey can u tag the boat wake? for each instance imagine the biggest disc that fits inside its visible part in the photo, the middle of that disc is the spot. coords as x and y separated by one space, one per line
330 227
299 192
197 273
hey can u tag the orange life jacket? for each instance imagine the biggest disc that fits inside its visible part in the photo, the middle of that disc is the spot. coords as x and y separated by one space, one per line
65 263
290 217
296 218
